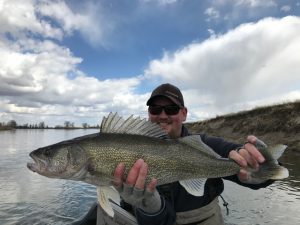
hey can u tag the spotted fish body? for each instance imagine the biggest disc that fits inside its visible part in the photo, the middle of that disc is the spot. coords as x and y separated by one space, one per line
93 158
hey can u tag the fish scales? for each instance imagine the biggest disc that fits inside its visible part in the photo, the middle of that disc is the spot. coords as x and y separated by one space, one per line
165 158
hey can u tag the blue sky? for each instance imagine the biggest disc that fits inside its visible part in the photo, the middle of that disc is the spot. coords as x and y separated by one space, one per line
78 60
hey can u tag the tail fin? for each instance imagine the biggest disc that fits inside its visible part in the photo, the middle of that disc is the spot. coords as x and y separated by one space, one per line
270 169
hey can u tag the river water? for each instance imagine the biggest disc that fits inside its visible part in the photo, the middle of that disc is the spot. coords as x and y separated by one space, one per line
28 198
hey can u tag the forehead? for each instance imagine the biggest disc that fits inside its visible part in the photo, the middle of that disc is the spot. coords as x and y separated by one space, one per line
161 100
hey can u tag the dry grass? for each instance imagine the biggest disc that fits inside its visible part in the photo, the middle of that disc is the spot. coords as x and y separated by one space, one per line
273 124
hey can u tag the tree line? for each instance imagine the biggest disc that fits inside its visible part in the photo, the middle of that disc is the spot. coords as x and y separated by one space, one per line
12 124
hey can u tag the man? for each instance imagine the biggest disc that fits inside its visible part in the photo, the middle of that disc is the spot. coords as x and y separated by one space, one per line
171 204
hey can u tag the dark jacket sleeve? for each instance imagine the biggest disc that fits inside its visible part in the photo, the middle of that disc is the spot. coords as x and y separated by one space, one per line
219 145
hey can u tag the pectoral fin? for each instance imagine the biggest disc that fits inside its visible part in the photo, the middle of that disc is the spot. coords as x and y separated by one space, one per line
194 187
105 195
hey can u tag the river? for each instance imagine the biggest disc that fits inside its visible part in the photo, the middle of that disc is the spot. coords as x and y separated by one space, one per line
28 198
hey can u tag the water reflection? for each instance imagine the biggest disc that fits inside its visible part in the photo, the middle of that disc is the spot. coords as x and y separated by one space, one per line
292 185
28 198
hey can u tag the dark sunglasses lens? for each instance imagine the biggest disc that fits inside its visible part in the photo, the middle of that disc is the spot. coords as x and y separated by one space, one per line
171 109
155 110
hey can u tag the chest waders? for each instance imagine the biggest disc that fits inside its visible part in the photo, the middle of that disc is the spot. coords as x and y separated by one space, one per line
206 215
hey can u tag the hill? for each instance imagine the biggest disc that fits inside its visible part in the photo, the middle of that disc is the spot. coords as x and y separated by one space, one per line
273 124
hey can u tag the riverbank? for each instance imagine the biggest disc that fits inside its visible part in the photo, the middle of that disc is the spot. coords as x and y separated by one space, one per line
273 124
50 128
6 128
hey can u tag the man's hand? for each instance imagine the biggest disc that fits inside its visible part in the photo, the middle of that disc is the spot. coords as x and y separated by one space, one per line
247 156
133 190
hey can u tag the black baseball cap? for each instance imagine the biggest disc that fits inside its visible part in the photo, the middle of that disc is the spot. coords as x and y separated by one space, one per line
169 91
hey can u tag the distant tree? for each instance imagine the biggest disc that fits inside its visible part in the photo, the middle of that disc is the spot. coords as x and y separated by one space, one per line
85 125
42 125
67 124
12 123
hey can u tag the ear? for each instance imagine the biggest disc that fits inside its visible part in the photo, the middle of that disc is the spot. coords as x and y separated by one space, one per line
184 114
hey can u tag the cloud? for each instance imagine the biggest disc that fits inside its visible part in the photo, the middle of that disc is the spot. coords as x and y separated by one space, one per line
285 8
161 2
40 78
89 19
212 13
234 11
256 3
47 81
19 18
55 19
253 61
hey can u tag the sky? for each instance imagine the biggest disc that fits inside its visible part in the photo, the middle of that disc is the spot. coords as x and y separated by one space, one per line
72 60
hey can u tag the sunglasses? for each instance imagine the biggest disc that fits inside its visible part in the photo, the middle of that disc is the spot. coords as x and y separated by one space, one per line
169 109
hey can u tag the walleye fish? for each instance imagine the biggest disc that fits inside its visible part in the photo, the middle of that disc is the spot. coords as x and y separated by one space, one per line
93 158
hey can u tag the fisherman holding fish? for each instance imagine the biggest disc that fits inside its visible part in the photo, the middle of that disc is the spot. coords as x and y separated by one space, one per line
171 203
154 172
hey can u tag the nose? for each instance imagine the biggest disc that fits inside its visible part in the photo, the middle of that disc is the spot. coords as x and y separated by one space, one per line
163 114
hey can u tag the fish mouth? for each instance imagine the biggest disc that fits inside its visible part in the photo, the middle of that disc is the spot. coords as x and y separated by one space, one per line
39 165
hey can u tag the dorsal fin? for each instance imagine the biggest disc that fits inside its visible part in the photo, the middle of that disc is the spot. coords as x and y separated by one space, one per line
114 123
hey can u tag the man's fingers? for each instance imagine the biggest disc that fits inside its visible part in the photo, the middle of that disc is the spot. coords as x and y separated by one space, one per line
251 139
243 175
136 176
250 160
134 172
141 179
118 175
152 185
238 158
250 147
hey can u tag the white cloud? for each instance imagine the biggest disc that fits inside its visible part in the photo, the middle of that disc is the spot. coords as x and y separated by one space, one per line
253 62
245 3
18 17
285 8
55 19
256 3
40 78
235 11
161 2
212 13
88 20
